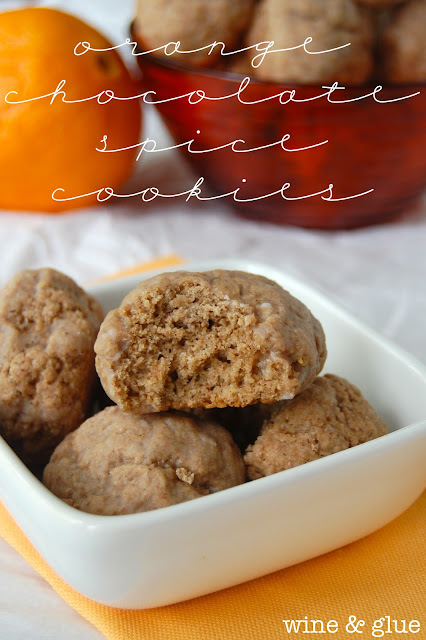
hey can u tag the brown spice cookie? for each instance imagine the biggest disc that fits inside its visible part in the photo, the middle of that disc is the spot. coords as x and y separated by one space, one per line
330 416
194 23
330 24
118 463
403 44
48 327
184 340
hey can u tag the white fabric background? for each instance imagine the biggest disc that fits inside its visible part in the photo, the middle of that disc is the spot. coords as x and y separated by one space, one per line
378 274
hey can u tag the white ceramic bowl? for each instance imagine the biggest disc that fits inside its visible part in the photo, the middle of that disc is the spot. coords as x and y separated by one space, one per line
179 552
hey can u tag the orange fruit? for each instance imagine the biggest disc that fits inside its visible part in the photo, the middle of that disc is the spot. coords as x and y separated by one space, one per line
46 146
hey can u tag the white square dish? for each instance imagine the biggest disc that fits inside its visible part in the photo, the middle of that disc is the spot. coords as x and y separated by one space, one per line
172 554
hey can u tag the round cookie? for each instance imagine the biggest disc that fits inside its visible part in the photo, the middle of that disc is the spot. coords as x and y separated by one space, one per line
194 23
216 339
48 327
117 462
403 48
331 415
330 24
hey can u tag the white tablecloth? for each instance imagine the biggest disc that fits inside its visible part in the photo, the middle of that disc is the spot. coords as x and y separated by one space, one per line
378 274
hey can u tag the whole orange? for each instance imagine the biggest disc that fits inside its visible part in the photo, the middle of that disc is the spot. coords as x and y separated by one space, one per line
46 146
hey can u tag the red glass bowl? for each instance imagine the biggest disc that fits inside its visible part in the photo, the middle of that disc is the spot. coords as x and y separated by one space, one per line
370 146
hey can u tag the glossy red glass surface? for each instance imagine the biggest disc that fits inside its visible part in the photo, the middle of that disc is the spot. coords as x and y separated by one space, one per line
370 145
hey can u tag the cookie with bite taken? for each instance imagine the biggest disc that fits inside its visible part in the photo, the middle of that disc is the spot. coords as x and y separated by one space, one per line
184 340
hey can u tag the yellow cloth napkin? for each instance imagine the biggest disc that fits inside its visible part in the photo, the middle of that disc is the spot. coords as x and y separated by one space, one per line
380 576
163 262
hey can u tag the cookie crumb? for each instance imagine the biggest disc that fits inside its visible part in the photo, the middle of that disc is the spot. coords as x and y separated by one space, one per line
185 475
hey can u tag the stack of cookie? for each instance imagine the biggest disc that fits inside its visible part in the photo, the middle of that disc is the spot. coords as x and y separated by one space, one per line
385 36
189 359
214 376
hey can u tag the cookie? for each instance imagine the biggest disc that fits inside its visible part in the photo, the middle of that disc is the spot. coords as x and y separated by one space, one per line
48 327
117 463
215 339
194 23
331 415
403 48
331 24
